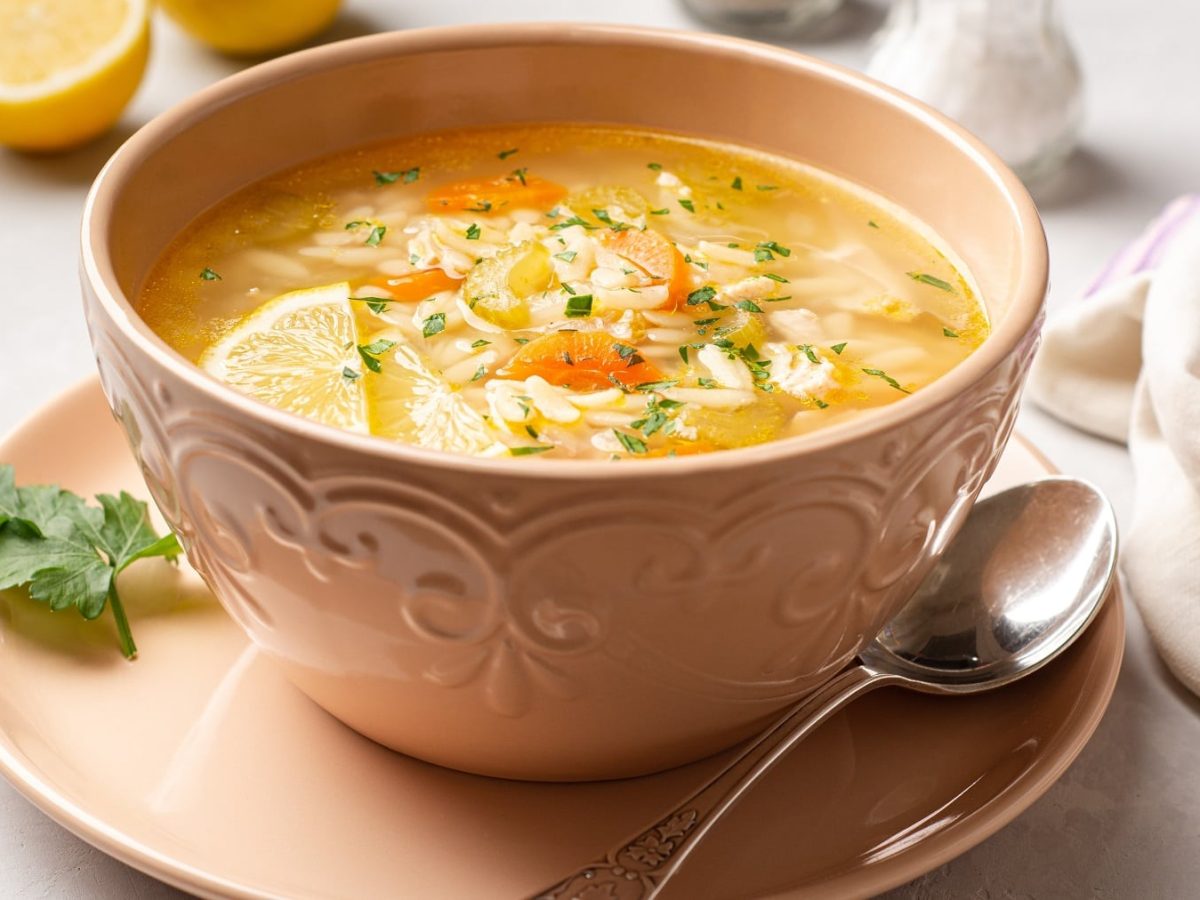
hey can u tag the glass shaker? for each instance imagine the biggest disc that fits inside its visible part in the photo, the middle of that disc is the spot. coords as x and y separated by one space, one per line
768 19
1002 68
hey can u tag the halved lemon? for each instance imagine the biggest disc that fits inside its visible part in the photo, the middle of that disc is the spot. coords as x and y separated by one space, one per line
297 352
408 401
68 68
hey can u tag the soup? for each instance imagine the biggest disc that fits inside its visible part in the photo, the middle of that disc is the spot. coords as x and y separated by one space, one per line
564 292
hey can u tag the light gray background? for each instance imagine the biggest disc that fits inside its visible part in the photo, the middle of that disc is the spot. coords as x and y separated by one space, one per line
1125 820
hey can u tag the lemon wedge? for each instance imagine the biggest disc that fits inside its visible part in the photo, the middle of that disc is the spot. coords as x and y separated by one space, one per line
297 352
251 27
408 401
68 68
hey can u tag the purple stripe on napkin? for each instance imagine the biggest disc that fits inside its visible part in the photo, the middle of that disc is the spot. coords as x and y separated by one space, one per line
1146 252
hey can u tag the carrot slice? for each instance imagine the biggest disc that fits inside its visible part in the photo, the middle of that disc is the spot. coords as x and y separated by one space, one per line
416 285
680 448
582 361
657 257
493 194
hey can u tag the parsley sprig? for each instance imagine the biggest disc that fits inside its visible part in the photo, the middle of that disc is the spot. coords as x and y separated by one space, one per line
68 554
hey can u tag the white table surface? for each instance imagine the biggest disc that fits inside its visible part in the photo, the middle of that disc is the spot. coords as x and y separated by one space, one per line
1124 822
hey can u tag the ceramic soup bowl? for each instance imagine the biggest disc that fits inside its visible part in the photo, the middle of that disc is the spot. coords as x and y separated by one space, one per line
557 619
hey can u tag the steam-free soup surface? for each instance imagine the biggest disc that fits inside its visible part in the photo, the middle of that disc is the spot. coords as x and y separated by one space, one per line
564 291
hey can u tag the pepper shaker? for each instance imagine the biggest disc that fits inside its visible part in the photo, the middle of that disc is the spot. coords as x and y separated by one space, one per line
1002 68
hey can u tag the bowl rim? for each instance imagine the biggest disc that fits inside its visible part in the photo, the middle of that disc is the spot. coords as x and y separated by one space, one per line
1026 296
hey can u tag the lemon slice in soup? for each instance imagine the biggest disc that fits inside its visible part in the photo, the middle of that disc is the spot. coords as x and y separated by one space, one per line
297 352
408 401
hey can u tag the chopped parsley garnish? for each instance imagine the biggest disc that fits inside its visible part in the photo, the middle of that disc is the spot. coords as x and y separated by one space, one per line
660 212
574 220
775 277
879 373
409 176
767 187
566 358
579 306
482 342
603 216
655 385
520 174
657 167
949 332
479 373
700 323
701 295
531 431
838 348
567 289
434 324
688 205
706 383
207 274
821 404
932 281
472 233
737 183
375 304
376 234
371 352
764 251
484 206
520 340
567 256
528 451
748 306
349 374
505 154
871 223
624 350
683 353
658 415
630 442
807 350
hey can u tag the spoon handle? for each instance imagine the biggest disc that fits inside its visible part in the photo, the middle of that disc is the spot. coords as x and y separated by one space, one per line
639 867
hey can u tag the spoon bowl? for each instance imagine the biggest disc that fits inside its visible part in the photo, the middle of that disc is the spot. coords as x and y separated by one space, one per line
1025 576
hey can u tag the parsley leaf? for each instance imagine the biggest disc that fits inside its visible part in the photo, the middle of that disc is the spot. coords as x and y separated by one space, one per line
807 350
838 348
764 251
688 205
631 443
434 324
69 554
657 167
472 233
748 306
737 183
505 154
949 332
482 342
660 212
408 175
932 281
567 256
375 304
349 374
519 174
701 295
579 306
879 373
207 274
526 451
574 220
371 352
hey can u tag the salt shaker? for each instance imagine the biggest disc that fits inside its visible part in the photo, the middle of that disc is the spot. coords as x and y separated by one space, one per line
770 19
1002 68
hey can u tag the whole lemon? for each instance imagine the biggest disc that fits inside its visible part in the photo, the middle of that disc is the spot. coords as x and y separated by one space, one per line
252 27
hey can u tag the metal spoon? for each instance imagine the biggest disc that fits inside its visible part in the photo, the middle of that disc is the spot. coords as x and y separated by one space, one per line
1023 579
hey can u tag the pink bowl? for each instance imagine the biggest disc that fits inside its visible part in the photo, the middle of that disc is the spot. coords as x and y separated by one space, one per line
573 619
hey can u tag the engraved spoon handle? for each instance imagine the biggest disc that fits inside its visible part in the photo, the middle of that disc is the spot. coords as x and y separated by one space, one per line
640 866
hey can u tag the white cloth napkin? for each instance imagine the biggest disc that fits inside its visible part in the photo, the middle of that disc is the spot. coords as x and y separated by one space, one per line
1124 363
